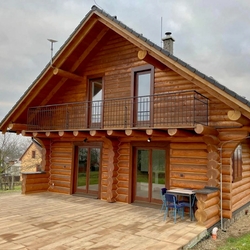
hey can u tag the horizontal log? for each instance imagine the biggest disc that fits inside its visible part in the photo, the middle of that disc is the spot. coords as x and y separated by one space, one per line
145 56
122 198
209 223
58 189
208 203
213 174
206 214
188 184
115 133
188 168
235 115
188 176
213 183
205 130
17 126
77 133
244 201
67 74
233 135
213 156
211 139
123 184
188 153
226 204
183 160
212 148
155 132
97 133
179 133
213 164
191 145
227 214
205 197
136 133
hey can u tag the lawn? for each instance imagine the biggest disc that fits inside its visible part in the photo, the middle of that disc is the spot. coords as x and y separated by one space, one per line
237 243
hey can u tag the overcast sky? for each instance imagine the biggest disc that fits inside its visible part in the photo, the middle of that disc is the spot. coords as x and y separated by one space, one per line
210 35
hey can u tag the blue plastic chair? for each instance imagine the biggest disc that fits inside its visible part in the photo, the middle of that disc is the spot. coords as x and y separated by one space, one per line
187 204
171 203
162 194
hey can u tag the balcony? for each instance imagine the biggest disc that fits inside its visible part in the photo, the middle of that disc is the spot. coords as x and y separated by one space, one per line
175 109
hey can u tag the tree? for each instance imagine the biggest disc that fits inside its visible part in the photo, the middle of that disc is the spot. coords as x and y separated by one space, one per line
11 148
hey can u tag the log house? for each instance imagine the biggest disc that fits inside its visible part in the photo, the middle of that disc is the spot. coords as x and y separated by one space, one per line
119 118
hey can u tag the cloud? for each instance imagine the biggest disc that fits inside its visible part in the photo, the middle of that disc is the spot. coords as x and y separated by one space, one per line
212 36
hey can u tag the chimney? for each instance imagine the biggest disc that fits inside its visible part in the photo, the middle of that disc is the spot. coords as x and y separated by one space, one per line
168 42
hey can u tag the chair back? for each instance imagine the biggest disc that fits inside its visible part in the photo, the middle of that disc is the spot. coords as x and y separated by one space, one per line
170 198
163 191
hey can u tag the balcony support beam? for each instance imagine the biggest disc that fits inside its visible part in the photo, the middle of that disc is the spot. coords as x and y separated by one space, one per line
115 133
236 116
179 133
205 130
155 132
67 74
136 133
80 134
97 133
145 56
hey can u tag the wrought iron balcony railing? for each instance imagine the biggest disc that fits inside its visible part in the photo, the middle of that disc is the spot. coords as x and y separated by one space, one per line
175 109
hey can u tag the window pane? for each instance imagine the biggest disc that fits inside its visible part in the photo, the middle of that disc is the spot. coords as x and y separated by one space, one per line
143 92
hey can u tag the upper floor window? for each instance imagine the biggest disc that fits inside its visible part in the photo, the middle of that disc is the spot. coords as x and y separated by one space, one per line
33 154
237 164
142 80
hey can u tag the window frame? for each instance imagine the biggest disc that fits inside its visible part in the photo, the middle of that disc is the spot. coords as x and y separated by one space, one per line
134 93
237 163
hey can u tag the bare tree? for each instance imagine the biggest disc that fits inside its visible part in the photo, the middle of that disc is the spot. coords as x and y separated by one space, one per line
11 148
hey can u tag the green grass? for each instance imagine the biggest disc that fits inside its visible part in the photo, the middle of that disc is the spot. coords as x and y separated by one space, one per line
237 243
16 189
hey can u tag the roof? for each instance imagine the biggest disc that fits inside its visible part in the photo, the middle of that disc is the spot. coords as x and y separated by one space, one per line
153 46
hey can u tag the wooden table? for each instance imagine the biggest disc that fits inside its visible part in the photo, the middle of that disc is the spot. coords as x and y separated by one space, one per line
184 192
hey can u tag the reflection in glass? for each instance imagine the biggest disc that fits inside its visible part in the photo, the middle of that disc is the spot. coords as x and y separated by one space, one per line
142 173
94 168
158 172
96 108
143 92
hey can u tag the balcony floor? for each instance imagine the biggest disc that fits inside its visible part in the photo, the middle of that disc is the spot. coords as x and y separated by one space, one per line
54 221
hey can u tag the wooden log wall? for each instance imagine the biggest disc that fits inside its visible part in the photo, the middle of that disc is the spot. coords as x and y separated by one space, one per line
60 167
188 165
208 209
35 182
241 189
123 172
109 170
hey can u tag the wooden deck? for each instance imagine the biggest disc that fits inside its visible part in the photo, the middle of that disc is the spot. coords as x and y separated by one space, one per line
54 221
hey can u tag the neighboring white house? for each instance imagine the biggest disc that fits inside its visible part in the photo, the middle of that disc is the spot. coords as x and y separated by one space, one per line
32 158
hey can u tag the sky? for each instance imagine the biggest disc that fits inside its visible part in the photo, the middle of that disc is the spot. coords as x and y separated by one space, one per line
212 36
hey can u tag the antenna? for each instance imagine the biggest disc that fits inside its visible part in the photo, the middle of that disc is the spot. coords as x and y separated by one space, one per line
52 41
161 31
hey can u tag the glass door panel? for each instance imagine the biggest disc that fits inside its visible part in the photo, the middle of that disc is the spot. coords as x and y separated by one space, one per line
82 168
142 183
94 169
158 172
87 170
150 174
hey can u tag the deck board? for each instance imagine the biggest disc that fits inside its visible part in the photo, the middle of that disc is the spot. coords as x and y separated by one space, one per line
56 221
